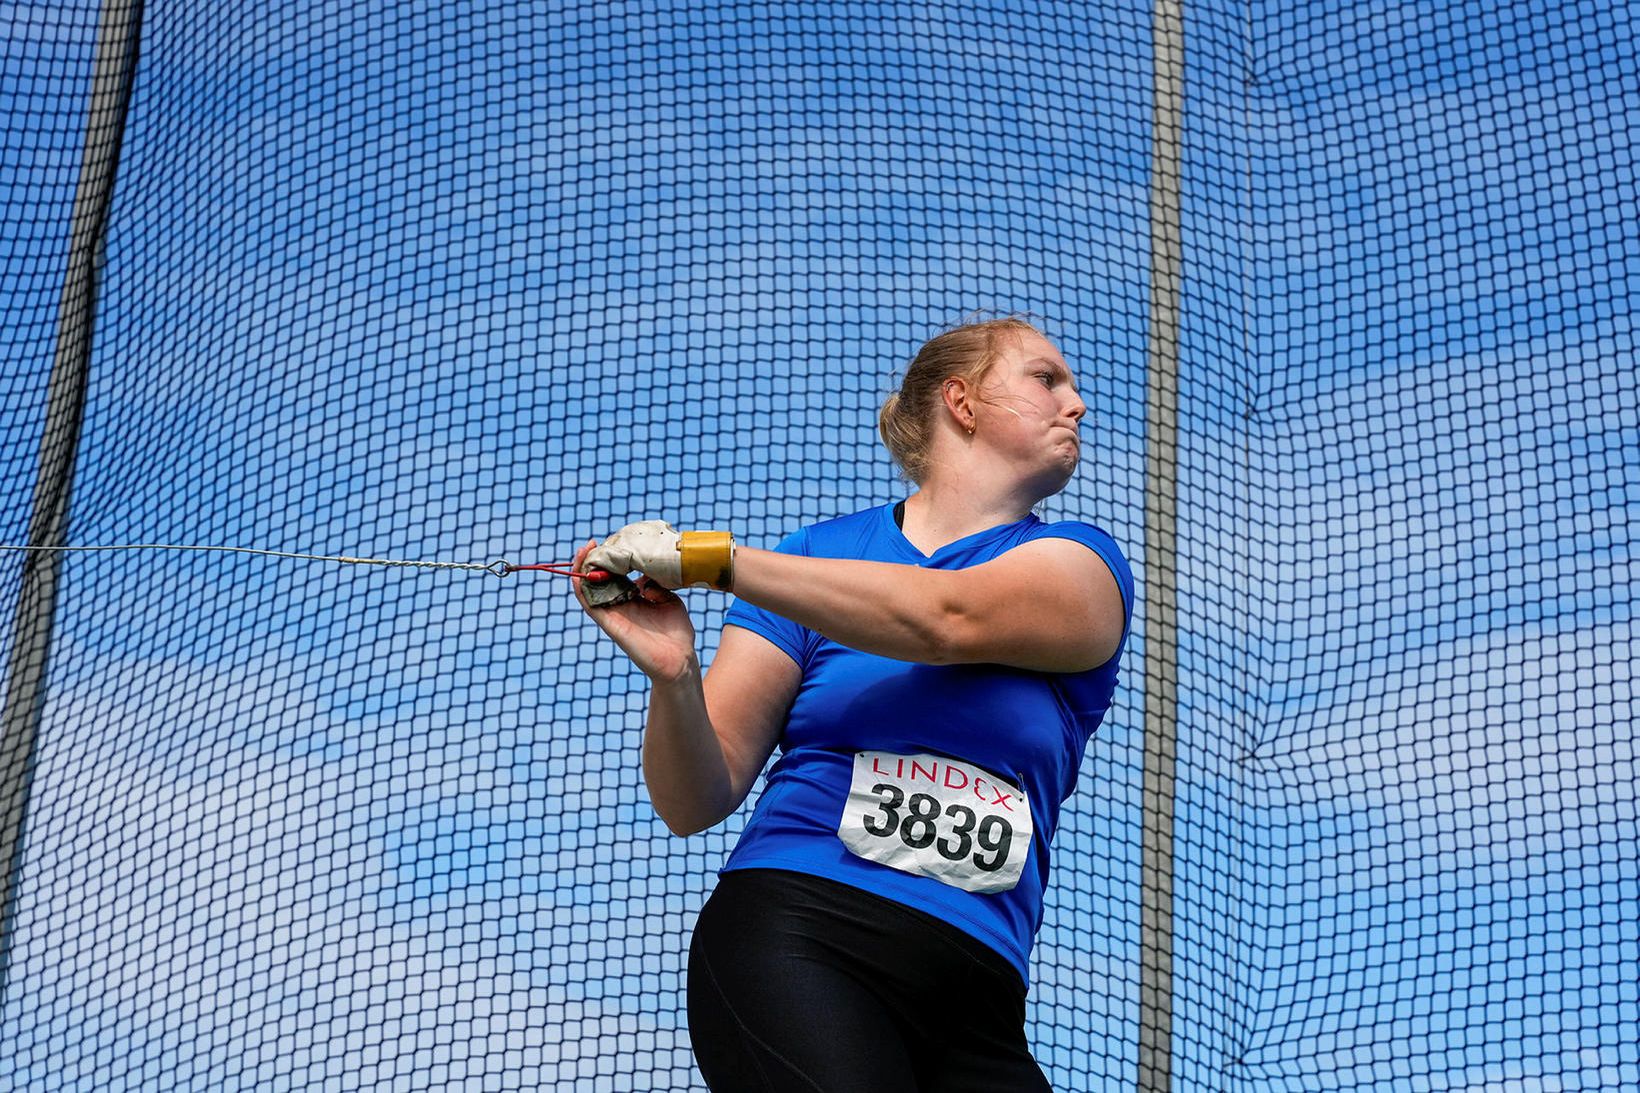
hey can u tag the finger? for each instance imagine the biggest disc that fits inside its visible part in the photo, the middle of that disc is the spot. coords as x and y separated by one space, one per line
652 591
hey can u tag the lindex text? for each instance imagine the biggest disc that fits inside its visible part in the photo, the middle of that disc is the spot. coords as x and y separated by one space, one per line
948 775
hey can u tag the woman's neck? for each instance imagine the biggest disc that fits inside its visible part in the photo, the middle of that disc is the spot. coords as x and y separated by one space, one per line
936 516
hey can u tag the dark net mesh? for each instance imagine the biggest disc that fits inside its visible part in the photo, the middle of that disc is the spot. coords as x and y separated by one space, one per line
464 282
1443 416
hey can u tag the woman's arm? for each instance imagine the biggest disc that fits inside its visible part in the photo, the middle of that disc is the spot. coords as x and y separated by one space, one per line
1049 605
705 740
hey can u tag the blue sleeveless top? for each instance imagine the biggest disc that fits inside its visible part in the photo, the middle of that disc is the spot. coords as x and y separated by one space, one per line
1006 729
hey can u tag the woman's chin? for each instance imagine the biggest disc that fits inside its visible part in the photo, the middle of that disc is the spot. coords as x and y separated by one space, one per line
1052 481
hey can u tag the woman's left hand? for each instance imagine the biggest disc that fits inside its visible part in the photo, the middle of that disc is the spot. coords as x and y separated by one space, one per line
676 559
651 546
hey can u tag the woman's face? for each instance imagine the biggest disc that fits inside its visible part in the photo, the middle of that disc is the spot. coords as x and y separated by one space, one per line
1028 412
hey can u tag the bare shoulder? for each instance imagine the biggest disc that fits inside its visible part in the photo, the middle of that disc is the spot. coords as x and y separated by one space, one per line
1051 604
1070 559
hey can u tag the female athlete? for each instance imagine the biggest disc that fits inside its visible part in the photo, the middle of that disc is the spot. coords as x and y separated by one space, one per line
931 672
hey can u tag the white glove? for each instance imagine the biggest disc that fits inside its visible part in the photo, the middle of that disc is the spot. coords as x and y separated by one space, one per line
676 559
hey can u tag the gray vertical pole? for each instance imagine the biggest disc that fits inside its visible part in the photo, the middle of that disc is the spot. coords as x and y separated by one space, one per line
1161 559
113 68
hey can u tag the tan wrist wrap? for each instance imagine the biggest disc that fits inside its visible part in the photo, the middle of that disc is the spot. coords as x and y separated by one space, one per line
708 558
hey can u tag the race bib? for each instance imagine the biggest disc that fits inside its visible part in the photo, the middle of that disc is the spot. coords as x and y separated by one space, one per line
937 817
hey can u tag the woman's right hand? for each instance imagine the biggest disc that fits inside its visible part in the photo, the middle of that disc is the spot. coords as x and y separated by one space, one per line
652 628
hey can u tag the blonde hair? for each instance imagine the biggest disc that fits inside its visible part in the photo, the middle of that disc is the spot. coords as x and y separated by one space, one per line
965 351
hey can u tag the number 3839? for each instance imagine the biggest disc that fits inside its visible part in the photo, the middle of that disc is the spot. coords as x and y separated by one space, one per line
956 831
937 817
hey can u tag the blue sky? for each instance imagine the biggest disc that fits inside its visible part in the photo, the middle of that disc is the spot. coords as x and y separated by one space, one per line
413 286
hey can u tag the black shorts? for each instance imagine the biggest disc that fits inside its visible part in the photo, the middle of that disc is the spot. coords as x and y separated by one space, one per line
801 983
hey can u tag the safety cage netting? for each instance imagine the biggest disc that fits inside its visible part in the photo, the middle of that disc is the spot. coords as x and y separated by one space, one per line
1350 285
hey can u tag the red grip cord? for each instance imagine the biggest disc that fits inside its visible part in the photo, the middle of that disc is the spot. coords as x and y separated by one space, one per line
596 576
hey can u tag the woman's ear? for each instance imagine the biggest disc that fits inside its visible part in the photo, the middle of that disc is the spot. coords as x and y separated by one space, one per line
954 392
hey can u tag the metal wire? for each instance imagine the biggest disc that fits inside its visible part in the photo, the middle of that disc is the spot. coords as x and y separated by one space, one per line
499 567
